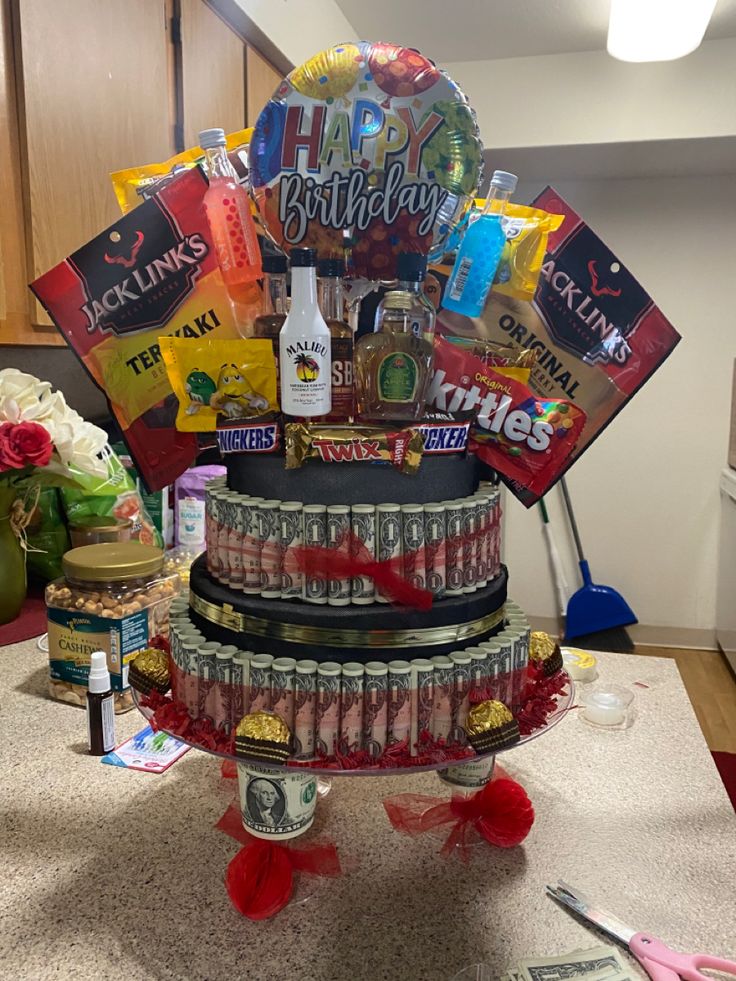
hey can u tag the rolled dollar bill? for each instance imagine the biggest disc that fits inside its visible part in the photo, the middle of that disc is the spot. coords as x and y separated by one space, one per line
520 659
468 777
251 547
291 515
315 534
469 534
454 547
235 540
223 686
240 685
226 517
483 520
479 670
363 524
442 697
495 536
327 722
206 657
269 539
460 694
210 527
351 707
283 671
435 548
375 708
399 702
412 542
493 649
338 540
276 804
422 671
506 642
190 663
260 683
388 538
214 559
305 708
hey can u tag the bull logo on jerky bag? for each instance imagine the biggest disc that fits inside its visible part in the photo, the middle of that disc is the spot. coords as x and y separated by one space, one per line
365 148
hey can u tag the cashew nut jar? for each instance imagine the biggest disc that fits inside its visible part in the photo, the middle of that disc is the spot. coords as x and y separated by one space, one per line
113 597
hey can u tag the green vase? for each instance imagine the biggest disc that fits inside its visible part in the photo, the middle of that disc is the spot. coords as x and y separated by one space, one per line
13 582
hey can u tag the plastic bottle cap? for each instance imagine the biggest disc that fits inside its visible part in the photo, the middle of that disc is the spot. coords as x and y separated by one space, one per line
210 138
99 677
504 180
301 258
330 268
411 267
274 264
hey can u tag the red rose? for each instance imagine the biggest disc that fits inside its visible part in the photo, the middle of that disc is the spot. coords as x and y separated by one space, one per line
24 444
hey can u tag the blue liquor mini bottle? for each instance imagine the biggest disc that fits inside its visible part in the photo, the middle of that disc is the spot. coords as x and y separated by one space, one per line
480 251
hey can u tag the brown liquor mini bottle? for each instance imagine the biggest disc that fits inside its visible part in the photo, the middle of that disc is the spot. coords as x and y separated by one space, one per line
268 325
331 303
100 706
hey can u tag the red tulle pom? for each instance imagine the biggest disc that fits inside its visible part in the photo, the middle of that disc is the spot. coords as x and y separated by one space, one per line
259 879
506 813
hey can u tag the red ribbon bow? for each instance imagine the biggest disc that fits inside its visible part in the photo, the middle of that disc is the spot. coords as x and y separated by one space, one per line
500 812
259 880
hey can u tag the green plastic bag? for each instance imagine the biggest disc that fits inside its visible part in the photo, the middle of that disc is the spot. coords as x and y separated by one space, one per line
47 537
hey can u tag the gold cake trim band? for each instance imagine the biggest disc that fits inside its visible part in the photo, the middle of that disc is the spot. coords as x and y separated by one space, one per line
225 616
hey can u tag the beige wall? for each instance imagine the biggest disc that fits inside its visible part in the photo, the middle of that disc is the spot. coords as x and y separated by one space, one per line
646 493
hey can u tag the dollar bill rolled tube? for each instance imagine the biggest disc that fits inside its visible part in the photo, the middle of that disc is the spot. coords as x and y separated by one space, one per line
251 547
315 535
520 658
467 778
235 541
240 684
305 709
363 526
283 671
469 532
338 541
421 691
399 702
223 687
483 520
460 694
505 674
375 708
276 805
190 661
292 538
388 539
435 549
210 533
327 723
454 547
493 649
224 526
352 684
495 536
269 540
218 508
479 672
206 654
259 696
414 567
442 697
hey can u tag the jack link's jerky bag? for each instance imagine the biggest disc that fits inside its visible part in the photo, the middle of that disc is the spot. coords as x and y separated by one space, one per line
598 333
154 272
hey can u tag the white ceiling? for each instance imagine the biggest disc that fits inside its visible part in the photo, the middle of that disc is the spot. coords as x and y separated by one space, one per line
478 30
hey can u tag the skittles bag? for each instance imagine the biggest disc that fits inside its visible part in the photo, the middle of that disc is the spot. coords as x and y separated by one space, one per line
365 151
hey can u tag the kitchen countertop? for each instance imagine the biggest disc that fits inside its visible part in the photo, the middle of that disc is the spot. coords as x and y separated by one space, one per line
112 873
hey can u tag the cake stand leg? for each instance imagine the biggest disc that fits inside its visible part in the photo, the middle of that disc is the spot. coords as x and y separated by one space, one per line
467 778
324 786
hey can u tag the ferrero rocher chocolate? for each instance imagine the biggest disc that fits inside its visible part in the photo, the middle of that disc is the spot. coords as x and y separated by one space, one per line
491 726
149 671
263 736
348 444
545 652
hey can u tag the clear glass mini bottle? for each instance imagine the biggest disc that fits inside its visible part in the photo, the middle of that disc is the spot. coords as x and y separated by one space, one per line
332 305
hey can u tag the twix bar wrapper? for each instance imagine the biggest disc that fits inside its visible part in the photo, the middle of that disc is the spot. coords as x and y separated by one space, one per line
402 448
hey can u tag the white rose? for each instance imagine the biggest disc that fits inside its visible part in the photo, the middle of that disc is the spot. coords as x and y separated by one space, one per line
20 395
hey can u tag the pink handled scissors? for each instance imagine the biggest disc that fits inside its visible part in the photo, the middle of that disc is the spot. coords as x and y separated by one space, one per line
659 961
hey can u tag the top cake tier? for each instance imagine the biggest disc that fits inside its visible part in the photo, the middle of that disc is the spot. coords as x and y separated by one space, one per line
439 478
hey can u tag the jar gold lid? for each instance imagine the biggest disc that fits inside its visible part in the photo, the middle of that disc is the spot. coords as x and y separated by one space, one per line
101 522
113 561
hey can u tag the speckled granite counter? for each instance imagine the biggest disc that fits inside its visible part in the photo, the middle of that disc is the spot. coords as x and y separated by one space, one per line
109 873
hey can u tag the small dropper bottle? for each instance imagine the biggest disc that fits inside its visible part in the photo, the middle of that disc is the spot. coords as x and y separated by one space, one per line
100 706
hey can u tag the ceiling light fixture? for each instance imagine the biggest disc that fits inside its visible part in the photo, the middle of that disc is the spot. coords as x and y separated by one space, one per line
657 30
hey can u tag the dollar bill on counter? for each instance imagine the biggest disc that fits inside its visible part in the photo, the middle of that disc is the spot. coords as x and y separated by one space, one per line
596 964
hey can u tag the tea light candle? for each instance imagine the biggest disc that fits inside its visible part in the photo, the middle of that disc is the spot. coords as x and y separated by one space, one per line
580 665
607 708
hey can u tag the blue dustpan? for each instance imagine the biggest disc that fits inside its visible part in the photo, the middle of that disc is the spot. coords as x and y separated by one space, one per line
592 608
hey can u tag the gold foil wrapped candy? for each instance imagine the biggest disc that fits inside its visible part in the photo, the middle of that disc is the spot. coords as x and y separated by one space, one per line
491 727
263 736
149 671
545 652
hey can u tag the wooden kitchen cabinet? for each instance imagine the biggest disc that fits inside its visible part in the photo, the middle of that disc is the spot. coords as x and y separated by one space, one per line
262 80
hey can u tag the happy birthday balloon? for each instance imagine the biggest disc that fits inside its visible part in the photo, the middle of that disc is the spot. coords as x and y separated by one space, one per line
366 150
